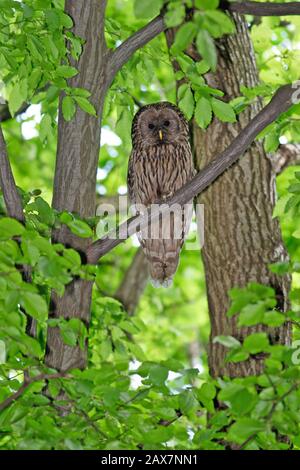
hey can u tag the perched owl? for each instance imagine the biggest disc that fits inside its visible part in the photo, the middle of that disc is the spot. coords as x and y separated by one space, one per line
160 163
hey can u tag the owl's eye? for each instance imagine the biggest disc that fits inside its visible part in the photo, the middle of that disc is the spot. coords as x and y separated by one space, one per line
151 126
166 123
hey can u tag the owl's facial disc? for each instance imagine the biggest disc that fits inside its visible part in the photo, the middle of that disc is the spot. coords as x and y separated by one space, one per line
160 127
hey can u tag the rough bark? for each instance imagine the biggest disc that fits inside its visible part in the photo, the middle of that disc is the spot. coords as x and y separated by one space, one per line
241 237
12 198
75 173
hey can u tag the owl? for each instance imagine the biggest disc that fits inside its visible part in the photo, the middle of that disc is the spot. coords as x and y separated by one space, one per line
160 163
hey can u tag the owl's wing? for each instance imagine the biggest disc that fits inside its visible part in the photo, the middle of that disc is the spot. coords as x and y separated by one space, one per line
131 179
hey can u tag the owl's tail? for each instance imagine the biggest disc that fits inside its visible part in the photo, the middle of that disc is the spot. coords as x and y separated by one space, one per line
163 249
163 258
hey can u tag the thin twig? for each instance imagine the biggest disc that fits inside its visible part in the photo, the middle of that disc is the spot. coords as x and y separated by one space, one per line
270 414
10 399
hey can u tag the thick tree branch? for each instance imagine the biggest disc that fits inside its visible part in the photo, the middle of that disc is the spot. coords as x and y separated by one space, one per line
262 9
280 103
9 190
123 53
74 189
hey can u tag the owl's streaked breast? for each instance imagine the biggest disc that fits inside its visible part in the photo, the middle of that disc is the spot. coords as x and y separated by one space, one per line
159 171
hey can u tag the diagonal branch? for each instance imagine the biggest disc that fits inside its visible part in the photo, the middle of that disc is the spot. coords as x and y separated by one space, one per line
283 99
123 53
262 9
9 190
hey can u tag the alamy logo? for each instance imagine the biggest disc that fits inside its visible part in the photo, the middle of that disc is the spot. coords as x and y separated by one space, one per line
296 353
158 221
296 94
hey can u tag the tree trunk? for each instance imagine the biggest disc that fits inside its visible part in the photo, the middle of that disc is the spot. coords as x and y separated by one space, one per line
75 173
241 237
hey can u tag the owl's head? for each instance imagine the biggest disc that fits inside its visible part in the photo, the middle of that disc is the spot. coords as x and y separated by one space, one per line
159 123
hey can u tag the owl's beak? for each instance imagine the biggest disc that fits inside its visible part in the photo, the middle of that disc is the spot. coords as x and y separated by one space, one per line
160 134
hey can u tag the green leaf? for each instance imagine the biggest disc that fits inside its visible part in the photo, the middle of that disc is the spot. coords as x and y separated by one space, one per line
218 23
237 355
206 47
66 71
271 143
69 336
296 234
175 14
207 391
80 228
282 267
146 8
227 341
252 314
203 113
52 19
202 67
68 108
35 78
255 343
243 428
294 188
85 105
73 257
46 214
184 37
241 400
223 111
46 130
273 319
158 375
34 305
159 435
187 402
12 300
207 4
185 62
186 103
66 20
10 228
17 96
80 92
